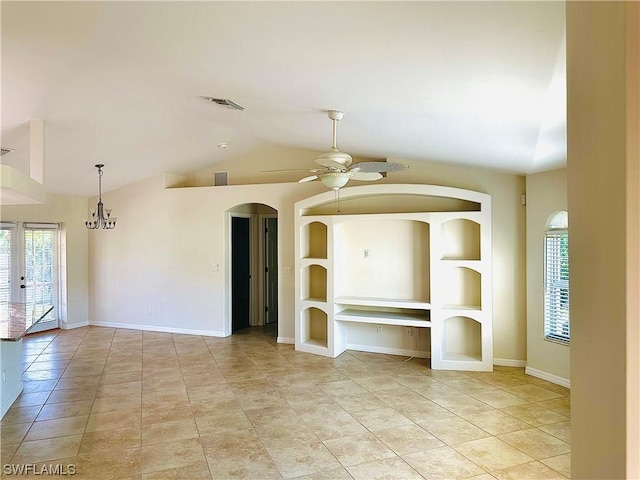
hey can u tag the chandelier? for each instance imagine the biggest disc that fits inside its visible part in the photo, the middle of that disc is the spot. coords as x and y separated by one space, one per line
100 217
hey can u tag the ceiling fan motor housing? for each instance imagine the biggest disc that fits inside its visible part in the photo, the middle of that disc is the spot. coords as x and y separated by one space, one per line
335 115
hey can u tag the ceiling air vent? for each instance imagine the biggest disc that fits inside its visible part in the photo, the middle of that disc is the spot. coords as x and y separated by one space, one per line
223 102
4 151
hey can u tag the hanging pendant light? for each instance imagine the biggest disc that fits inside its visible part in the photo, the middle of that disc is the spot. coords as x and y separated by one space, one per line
101 217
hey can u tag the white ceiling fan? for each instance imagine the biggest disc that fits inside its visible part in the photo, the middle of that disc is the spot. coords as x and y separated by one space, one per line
338 168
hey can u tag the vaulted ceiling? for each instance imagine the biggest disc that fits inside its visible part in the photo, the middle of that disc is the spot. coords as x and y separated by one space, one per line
122 83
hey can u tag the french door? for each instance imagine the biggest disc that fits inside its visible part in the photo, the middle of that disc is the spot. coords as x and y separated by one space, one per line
29 266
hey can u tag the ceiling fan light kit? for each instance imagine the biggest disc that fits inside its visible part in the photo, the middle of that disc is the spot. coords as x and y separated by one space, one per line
335 180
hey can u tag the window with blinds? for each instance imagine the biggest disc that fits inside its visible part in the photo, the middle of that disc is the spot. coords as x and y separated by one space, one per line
556 281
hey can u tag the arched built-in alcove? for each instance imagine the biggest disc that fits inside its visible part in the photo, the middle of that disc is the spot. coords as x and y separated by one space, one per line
400 258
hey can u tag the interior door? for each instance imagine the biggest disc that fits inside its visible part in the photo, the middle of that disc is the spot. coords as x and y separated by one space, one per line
271 269
240 272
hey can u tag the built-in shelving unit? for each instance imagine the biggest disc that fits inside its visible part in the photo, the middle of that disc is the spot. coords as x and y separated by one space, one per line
396 256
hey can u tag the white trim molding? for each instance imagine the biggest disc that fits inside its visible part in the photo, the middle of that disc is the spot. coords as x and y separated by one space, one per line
287 340
565 382
509 362
71 326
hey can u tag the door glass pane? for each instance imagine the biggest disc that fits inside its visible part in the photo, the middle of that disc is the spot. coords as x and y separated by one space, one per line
39 256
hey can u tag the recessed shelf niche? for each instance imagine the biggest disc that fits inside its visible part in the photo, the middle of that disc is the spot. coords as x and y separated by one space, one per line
462 339
460 240
382 259
314 240
314 327
463 288
314 283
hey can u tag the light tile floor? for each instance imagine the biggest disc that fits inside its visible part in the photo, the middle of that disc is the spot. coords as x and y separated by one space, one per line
126 404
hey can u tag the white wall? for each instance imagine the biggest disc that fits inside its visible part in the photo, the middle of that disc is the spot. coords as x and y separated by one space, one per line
161 253
68 211
546 195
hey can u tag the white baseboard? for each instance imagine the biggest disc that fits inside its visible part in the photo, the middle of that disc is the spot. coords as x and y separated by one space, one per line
71 326
6 405
565 382
156 328
389 350
508 362
288 340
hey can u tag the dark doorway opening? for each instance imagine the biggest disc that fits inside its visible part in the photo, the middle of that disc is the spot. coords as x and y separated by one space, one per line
271 269
240 273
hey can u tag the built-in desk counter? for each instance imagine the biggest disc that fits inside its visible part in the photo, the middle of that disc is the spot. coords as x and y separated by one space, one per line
16 319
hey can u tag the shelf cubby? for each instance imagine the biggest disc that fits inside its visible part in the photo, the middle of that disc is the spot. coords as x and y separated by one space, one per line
314 283
314 240
314 329
462 339
460 239
463 289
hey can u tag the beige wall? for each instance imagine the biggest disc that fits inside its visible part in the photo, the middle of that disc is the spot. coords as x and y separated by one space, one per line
603 176
68 211
546 195
161 253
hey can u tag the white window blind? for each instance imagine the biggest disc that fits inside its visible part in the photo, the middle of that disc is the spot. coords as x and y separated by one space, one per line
7 239
40 263
556 286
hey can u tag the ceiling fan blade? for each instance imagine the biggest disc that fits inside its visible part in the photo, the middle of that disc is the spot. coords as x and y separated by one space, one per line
378 167
310 178
366 176
310 170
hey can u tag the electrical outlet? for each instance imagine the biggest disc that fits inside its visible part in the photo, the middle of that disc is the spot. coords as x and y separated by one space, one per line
367 253
379 328
215 267
4 376
287 269
409 331
149 311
